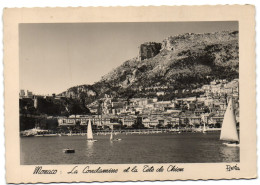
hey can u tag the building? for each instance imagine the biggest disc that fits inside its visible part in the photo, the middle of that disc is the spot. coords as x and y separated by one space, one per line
22 93
172 121
191 106
194 120
101 121
35 102
29 94
128 122
216 120
198 112
66 122
161 93
150 123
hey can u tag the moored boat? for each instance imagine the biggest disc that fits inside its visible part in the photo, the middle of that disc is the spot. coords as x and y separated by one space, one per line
67 150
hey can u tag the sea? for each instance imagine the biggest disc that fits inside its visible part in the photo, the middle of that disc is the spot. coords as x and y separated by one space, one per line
185 147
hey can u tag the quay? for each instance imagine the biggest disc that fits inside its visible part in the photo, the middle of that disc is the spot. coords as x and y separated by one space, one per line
47 133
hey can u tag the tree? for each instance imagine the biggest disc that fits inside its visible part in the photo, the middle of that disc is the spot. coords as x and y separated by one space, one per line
138 123
100 105
50 106
206 109
182 125
218 125
159 125
169 125
197 125
176 126
76 107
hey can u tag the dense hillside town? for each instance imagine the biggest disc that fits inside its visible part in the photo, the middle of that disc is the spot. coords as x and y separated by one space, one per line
188 112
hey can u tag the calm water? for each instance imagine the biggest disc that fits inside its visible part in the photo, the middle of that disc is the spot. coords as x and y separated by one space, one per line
152 148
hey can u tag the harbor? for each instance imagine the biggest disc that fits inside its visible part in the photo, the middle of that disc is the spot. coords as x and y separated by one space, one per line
184 130
185 147
182 145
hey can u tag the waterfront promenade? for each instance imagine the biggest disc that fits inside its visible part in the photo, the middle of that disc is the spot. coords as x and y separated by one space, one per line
123 131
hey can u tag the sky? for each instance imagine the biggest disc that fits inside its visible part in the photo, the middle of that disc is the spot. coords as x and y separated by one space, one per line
56 56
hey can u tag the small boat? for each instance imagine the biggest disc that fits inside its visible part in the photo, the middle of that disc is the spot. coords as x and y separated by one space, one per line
89 133
229 130
50 135
68 151
39 135
69 134
28 135
111 137
204 128
232 144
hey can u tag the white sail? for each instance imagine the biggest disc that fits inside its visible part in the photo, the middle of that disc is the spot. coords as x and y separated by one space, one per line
229 130
111 136
89 132
204 128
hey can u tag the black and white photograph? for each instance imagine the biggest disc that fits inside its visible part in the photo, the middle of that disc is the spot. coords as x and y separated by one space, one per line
104 94
129 92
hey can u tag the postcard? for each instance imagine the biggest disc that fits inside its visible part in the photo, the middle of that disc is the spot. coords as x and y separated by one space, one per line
129 93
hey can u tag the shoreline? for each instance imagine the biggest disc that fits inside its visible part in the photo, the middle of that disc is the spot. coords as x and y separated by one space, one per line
125 132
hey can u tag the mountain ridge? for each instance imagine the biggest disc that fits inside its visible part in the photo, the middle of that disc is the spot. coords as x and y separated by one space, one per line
182 61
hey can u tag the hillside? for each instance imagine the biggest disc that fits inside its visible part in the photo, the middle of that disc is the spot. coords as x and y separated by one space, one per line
179 62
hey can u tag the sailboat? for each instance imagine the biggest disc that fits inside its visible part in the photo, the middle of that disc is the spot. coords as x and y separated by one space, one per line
229 130
70 134
111 137
204 128
89 133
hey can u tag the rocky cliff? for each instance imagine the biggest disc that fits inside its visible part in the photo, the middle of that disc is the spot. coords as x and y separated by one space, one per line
182 61
149 50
